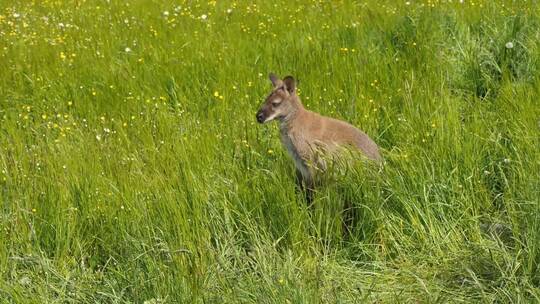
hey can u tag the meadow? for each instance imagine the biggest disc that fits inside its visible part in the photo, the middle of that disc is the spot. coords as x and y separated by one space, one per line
132 169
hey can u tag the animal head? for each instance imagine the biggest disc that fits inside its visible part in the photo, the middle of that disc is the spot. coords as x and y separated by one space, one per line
281 102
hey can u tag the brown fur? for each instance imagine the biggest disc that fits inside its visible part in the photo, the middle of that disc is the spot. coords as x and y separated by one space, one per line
305 133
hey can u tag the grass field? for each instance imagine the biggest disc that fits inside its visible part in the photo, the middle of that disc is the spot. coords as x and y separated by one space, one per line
132 169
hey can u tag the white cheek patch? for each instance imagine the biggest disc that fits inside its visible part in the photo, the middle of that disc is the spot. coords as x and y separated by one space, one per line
271 117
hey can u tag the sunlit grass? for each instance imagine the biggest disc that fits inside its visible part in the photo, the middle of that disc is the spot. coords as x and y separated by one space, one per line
132 168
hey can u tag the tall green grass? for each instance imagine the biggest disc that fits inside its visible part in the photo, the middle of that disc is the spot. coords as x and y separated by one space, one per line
132 169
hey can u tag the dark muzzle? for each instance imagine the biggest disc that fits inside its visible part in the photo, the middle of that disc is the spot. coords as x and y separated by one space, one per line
260 117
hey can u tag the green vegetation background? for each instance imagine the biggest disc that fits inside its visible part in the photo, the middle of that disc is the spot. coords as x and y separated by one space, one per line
132 168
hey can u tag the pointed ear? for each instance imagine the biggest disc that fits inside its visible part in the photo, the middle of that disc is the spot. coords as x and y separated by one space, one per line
290 84
274 79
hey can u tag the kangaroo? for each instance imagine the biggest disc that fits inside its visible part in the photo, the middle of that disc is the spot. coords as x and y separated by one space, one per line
306 134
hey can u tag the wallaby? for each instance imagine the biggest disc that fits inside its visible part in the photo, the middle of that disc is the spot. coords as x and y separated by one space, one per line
307 135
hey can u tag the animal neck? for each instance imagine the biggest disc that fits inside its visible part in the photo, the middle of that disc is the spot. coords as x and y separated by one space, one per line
296 110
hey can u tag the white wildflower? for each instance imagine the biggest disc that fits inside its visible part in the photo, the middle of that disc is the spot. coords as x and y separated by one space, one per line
127 50
25 281
509 45
204 17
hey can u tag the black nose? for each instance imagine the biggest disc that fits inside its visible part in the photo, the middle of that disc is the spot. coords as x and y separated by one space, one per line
260 117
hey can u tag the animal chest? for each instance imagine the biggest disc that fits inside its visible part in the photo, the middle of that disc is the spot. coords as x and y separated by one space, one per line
292 145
